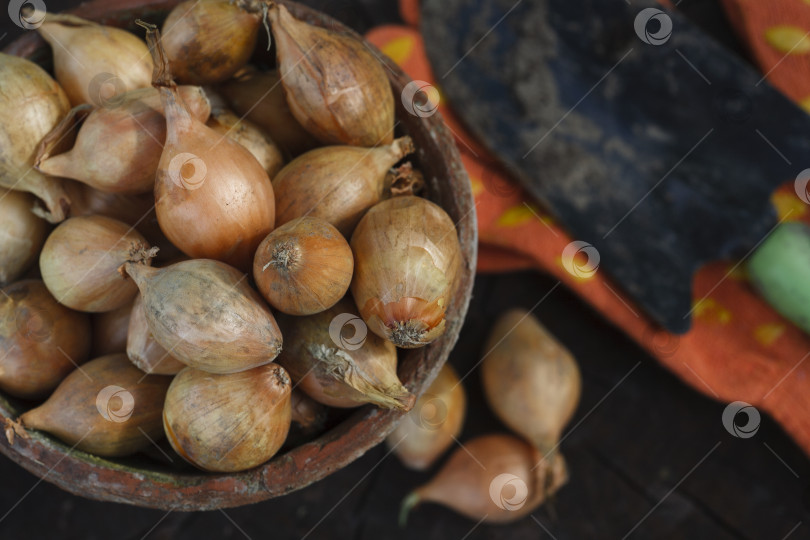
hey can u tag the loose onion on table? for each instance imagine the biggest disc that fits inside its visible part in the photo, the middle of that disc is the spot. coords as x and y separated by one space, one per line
337 183
41 341
213 199
95 63
531 381
407 256
209 40
342 370
492 479
335 86
107 407
118 147
259 97
228 423
22 234
82 259
303 267
207 316
31 105
434 423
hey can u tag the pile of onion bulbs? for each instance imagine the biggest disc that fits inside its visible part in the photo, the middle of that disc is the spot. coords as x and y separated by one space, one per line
227 253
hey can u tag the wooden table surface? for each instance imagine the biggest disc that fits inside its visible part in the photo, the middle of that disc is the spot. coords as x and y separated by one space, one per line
648 456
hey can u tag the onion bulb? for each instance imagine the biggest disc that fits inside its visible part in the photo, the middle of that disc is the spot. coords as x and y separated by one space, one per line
492 479
142 349
407 257
335 86
251 137
209 40
107 407
303 267
118 148
206 315
336 362
41 341
21 234
337 183
308 419
531 381
95 63
82 258
308 415
87 201
110 331
31 105
137 211
213 199
228 423
259 97
433 425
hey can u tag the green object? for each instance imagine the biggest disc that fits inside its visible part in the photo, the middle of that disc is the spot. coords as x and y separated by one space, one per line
408 504
780 271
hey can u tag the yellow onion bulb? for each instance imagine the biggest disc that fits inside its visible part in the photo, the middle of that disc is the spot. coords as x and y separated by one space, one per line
142 349
108 407
110 331
303 267
82 259
31 105
258 96
308 415
333 359
41 341
22 234
209 40
492 478
531 381
207 316
434 423
245 428
213 199
95 63
407 257
337 183
251 137
335 86
118 147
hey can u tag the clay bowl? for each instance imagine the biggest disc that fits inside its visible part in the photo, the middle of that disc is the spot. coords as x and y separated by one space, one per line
143 482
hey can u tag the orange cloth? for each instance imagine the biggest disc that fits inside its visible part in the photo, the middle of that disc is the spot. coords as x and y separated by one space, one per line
739 348
777 33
